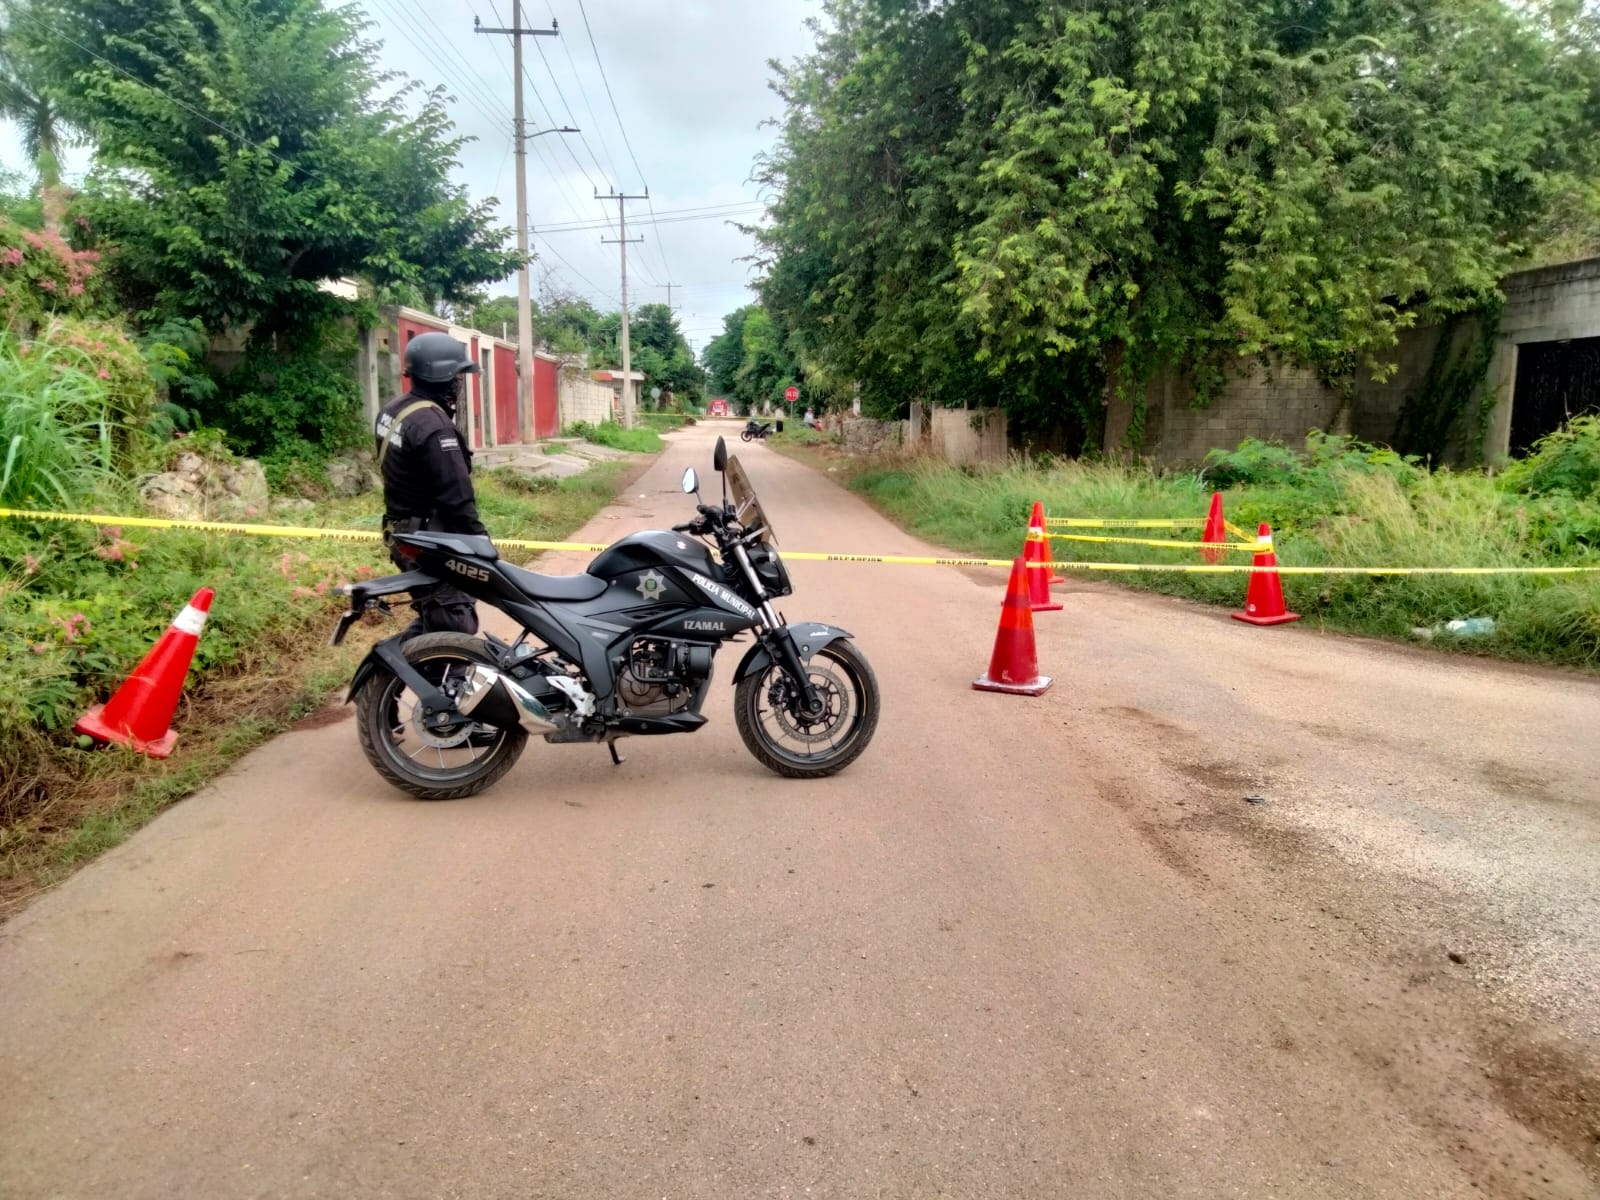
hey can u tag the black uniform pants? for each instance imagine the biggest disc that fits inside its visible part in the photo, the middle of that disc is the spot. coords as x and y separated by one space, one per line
446 609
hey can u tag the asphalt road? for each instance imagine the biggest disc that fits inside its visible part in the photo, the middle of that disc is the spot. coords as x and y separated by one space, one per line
1022 948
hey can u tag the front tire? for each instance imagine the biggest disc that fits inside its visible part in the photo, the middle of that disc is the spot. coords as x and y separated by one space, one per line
746 436
767 710
448 764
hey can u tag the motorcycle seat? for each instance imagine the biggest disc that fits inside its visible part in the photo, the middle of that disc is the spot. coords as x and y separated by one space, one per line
553 587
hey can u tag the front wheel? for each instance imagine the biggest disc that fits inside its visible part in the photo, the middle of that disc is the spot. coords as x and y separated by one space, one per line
770 713
433 763
746 435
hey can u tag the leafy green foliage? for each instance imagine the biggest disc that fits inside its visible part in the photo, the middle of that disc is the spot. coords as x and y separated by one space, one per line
1564 463
246 154
174 351
749 361
294 400
1018 202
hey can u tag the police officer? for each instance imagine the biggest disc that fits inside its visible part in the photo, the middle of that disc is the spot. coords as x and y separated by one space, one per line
426 470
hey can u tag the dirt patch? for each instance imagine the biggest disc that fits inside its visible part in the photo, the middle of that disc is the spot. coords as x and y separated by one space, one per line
1552 1087
1518 785
329 714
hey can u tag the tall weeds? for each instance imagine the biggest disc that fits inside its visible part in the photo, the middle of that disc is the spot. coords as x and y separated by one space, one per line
57 429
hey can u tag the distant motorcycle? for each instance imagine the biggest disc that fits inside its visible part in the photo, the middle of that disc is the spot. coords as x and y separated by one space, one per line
755 431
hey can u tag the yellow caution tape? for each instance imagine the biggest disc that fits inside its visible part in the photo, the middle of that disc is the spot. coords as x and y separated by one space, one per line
282 531
1252 545
349 535
1126 522
365 535
1184 568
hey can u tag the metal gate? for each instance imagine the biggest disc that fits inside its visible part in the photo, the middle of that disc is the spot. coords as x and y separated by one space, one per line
1555 382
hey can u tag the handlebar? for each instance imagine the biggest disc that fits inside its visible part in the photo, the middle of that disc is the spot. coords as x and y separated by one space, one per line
710 517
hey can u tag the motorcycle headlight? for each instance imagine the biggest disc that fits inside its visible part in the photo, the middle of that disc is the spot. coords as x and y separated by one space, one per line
770 570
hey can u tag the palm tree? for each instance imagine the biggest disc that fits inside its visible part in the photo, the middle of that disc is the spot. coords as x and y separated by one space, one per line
42 127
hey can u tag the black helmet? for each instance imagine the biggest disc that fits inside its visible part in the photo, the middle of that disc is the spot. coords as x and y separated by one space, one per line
436 358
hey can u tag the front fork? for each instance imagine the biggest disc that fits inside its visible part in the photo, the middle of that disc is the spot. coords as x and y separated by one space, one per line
780 643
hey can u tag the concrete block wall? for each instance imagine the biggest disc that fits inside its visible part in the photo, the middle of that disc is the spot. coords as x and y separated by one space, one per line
584 399
967 437
1271 402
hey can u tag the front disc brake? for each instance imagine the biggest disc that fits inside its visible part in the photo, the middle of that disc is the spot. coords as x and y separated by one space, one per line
786 704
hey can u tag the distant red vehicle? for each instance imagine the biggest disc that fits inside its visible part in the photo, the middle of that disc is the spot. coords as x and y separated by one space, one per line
719 408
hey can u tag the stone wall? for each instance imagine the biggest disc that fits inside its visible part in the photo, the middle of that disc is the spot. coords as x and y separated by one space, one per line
862 435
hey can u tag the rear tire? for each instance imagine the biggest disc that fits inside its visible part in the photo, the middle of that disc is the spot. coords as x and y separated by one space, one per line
433 765
780 737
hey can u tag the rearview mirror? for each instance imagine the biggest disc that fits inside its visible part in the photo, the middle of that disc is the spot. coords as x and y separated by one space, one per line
720 458
691 481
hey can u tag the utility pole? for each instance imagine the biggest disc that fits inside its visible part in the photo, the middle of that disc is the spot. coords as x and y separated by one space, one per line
622 240
669 287
524 300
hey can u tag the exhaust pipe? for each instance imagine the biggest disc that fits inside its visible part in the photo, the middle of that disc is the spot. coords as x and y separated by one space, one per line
499 700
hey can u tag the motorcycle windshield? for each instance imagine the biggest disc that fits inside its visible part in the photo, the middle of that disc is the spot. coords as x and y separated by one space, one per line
746 507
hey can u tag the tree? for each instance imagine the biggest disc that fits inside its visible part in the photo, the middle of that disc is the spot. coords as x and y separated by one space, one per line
724 354
1009 200
39 121
750 360
245 154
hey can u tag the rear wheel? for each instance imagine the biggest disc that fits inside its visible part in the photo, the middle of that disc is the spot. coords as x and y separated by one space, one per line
446 763
770 713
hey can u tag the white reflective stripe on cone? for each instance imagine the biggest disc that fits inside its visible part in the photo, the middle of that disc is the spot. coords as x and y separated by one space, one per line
191 620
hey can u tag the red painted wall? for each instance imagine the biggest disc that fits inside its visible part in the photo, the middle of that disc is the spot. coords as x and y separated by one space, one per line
505 396
546 398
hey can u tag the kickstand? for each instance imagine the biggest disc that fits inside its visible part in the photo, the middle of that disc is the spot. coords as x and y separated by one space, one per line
616 759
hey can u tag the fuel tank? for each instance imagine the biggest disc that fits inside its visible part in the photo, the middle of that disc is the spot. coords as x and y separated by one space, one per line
653 548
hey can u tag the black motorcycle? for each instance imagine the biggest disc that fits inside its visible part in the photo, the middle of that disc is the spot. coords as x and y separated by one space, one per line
755 431
624 648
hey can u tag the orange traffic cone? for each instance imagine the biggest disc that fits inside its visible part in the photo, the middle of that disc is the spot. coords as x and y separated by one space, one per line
1014 665
1216 528
1263 599
1038 521
1036 549
138 715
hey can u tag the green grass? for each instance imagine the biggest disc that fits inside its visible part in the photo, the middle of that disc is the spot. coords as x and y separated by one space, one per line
1374 512
57 431
664 421
640 440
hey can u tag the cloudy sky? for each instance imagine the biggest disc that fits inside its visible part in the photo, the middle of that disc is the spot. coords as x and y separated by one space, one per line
689 80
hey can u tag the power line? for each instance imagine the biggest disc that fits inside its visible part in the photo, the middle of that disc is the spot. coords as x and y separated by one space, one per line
563 96
622 128
583 92
467 84
589 226
593 287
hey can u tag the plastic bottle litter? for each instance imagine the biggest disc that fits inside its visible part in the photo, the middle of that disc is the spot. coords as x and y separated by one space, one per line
1461 627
